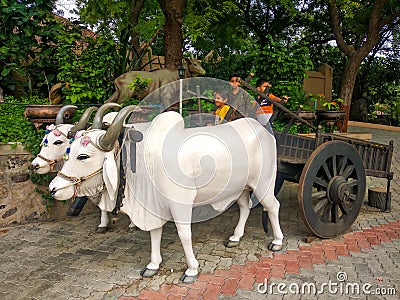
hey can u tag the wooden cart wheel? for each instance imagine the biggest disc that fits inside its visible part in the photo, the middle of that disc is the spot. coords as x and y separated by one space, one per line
331 189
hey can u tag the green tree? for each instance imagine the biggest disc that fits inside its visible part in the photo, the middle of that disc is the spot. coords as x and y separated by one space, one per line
131 17
28 33
87 65
130 22
358 26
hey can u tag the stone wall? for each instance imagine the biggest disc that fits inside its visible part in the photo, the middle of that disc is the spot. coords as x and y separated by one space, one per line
18 200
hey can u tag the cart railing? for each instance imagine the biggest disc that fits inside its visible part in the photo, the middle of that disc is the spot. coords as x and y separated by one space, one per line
294 148
377 158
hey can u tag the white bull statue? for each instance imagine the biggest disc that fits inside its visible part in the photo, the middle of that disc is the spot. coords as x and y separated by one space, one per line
157 79
176 170
56 142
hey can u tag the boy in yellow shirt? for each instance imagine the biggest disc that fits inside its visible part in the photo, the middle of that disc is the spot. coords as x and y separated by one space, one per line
223 113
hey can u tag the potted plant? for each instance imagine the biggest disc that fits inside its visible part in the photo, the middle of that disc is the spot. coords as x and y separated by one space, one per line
298 98
332 110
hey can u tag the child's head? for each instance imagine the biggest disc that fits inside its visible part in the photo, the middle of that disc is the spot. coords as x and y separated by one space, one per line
262 84
221 97
234 79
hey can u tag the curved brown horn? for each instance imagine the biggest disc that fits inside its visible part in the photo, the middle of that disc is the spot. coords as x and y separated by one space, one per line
107 141
61 112
83 121
98 118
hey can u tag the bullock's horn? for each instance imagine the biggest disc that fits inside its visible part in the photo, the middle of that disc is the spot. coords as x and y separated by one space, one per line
83 121
98 118
107 140
61 112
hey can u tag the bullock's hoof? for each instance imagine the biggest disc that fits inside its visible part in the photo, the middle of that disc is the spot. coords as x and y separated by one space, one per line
148 272
274 247
101 229
188 279
231 244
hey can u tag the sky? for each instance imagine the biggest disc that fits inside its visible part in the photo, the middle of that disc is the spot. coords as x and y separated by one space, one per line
66 6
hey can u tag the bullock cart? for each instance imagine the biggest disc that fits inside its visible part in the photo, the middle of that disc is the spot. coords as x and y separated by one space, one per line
331 174
330 169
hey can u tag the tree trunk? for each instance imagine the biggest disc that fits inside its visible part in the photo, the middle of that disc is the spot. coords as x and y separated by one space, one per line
172 10
347 85
136 7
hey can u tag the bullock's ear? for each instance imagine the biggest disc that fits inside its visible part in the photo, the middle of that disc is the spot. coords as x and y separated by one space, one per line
110 174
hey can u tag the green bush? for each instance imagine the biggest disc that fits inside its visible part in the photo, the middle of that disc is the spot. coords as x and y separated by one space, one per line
15 127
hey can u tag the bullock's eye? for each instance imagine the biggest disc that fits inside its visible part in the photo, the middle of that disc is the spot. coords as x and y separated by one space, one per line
83 156
58 143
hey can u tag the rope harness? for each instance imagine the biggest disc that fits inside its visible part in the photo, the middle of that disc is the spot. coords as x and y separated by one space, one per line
76 182
50 162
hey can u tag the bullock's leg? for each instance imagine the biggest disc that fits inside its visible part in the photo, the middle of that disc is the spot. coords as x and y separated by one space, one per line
244 211
185 235
271 205
103 227
152 268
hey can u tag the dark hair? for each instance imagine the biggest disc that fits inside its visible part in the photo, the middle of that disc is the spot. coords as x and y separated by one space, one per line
260 81
233 75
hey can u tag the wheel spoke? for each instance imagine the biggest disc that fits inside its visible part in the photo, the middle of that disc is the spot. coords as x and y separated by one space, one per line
318 195
326 169
334 213
347 171
321 182
334 165
343 208
320 206
343 165
352 183
326 212
352 197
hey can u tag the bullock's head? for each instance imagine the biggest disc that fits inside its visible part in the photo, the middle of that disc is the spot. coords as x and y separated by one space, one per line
92 161
56 140
193 66
53 144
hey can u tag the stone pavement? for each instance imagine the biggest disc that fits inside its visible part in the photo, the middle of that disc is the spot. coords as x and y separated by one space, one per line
68 260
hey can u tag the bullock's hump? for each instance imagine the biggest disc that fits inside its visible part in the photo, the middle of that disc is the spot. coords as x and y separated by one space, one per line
168 120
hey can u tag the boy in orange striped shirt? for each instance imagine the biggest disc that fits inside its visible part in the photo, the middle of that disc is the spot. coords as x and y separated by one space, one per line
265 111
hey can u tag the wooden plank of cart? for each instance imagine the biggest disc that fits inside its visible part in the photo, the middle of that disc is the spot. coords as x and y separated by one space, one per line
331 174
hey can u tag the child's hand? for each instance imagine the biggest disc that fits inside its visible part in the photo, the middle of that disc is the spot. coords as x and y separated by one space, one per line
285 98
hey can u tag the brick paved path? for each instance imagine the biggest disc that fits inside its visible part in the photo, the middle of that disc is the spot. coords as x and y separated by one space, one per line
67 260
